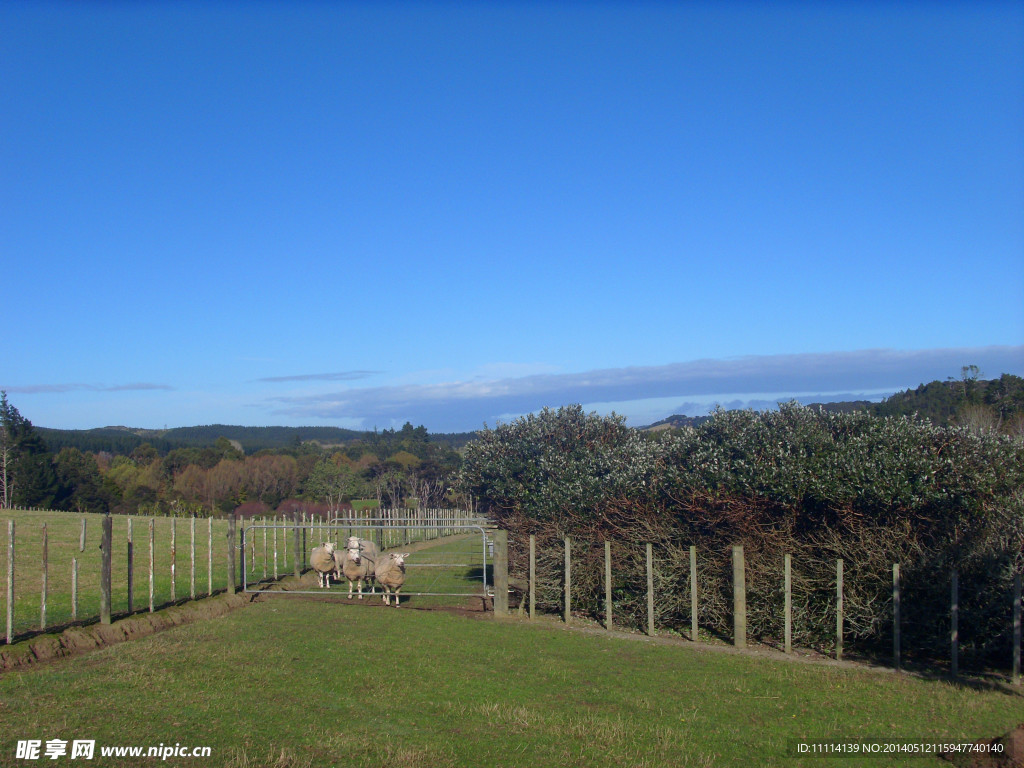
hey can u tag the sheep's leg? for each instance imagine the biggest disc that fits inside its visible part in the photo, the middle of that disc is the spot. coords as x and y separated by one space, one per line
359 586
397 599
350 589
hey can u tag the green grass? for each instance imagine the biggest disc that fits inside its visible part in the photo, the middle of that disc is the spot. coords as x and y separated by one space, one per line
63 539
294 681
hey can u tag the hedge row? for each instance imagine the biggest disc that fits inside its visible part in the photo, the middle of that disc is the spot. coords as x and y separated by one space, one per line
821 486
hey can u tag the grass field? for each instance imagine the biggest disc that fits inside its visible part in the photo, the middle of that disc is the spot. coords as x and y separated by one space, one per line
63 540
296 681
63 533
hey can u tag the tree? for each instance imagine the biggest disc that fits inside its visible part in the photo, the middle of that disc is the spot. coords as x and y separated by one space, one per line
26 469
6 452
81 485
333 482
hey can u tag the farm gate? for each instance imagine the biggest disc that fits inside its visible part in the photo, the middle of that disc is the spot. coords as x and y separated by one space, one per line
450 560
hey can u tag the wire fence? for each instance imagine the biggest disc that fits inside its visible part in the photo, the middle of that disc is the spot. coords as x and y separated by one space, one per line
57 573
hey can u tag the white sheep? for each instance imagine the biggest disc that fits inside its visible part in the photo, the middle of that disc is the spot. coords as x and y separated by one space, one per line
358 564
323 562
365 546
391 575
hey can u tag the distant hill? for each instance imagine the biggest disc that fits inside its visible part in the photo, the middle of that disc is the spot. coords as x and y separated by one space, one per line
124 440
998 403
675 422
951 402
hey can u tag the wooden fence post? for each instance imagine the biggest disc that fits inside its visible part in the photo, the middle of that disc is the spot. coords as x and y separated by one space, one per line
192 558
839 609
1015 674
10 582
650 589
131 569
81 537
284 541
275 549
42 600
252 547
954 624
106 548
568 582
896 616
607 585
231 554
788 590
501 573
209 557
244 560
265 557
152 563
694 633
174 559
74 589
739 598
295 553
533 574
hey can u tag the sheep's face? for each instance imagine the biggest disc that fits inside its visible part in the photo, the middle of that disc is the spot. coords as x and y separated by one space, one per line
353 554
399 559
328 547
353 542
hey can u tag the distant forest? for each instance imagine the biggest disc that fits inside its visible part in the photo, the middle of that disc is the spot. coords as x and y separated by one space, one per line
977 404
124 440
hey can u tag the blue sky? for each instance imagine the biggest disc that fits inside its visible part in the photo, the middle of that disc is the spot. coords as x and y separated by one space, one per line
361 214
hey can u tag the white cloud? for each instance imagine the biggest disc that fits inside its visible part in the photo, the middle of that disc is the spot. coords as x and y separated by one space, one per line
465 405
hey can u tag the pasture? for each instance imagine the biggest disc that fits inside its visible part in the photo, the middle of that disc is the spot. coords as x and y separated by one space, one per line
63 535
301 681
175 575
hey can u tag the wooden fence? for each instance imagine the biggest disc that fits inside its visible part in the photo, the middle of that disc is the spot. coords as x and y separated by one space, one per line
62 568
739 602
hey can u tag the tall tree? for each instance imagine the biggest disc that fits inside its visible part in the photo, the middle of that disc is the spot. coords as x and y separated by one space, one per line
26 474
81 484
6 453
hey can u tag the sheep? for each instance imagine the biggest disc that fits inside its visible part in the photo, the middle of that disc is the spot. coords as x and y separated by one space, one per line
365 546
323 562
391 575
358 564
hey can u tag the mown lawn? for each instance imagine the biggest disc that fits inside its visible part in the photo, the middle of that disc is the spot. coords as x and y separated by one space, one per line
303 681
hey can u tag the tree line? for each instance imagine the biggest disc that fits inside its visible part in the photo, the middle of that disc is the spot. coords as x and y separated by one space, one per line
393 467
980 405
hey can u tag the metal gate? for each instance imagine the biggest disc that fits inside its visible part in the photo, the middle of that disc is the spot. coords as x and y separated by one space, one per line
453 560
